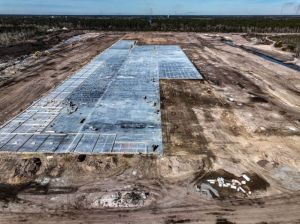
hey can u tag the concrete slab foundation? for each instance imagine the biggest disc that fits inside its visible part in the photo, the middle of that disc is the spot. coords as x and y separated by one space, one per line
112 105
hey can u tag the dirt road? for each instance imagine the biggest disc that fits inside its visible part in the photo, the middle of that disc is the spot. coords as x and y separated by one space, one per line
243 119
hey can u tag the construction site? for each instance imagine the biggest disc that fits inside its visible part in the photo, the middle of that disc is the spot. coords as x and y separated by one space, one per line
154 127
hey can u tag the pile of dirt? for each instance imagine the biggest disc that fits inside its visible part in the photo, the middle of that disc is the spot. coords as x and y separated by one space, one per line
122 200
27 168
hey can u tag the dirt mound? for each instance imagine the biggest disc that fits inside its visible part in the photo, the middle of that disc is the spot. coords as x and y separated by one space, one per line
122 200
27 168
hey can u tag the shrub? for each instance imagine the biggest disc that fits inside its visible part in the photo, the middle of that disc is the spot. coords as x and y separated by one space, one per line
278 44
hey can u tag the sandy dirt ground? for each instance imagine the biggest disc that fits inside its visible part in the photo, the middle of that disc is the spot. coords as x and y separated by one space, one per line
27 80
243 119
268 49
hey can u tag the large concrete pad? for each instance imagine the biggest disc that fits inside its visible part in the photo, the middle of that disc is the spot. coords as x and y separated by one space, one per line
112 105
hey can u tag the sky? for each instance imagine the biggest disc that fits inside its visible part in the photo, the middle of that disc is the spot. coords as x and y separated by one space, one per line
151 7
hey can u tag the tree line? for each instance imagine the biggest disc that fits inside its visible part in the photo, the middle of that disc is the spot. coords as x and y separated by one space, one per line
183 24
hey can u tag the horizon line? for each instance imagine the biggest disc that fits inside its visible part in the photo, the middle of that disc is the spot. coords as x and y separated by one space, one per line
27 14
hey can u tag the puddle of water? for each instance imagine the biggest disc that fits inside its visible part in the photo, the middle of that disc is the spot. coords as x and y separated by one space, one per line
264 56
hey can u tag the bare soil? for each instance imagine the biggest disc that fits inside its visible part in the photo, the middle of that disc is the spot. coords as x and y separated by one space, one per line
23 83
244 118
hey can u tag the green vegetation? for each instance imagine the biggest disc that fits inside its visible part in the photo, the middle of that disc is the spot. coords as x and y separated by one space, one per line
16 36
259 38
35 25
289 43
10 33
204 24
278 44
